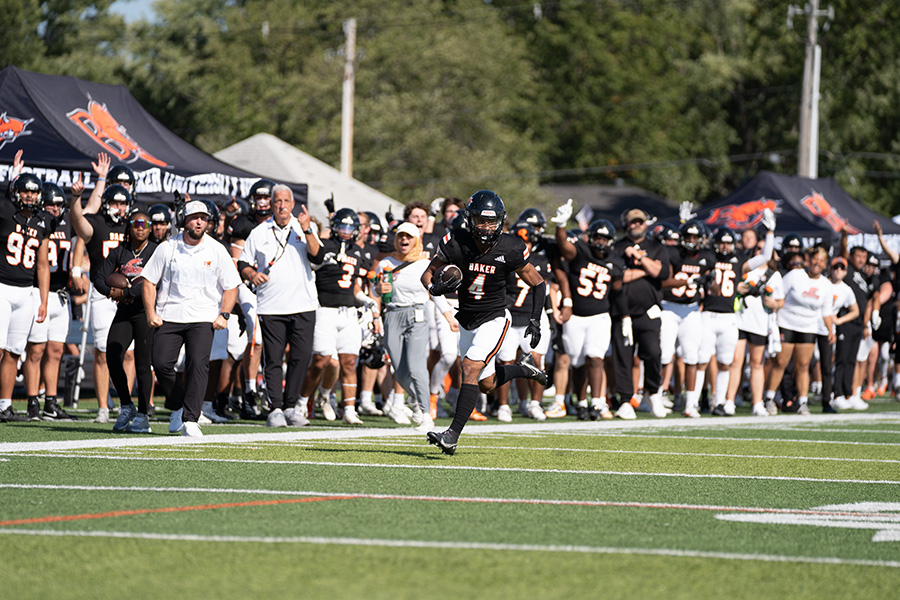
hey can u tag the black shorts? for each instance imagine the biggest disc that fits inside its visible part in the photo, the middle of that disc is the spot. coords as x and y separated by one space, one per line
753 339
789 336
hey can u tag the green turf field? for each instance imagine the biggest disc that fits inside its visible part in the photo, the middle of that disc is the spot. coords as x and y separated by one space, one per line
719 508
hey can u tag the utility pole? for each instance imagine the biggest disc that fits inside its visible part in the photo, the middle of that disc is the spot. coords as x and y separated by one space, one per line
347 107
808 159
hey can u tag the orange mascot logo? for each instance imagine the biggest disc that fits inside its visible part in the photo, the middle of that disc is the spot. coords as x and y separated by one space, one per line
102 127
820 207
741 216
11 128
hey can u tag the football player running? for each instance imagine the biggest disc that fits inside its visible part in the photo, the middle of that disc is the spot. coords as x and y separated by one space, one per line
486 257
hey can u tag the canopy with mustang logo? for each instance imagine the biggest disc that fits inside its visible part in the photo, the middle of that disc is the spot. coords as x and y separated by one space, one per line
815 209
62 123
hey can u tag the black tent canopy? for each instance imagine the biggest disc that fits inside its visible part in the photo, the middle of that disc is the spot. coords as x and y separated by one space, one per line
62 123
815 209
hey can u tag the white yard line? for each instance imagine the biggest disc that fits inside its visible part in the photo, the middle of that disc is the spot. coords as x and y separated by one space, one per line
364 432
343 541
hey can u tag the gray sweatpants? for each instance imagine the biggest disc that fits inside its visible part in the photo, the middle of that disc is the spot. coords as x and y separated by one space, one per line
407 345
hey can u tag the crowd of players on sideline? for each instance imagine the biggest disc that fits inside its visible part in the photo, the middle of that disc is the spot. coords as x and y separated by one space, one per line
637 315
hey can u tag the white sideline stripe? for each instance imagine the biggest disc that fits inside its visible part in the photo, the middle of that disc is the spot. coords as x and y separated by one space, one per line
327 433
315 463
343 541
706 438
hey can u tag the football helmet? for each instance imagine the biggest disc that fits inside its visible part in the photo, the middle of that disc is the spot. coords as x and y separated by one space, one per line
159 213
345 225
123 175
666 233
535 218
260 197
601 233
485 214
792 242
26 191
53 195
693 235
526 231
115 193
724 236
372 354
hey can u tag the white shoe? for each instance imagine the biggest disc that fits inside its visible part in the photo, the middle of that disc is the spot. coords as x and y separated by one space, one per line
295 417
102 416
398 415
368 408
191 429
657 406
535 411
350 417
427 423
803 409
556 411
407 410
692 413
626 412
504 413
175 422
210 413
326 408
668 403
841 403
729 408
276 419
759 410
857 403
204 420
771 408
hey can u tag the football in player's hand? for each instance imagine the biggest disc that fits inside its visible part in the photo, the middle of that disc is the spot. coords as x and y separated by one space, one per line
117 280
449 277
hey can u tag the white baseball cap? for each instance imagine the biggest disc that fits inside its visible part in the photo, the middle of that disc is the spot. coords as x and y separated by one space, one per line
195 207
409 229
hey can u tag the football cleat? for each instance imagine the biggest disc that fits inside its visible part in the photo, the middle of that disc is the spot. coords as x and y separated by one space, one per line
276 419
759 410
557 410
626 412
53 412
8 415
477 416
719 410
34 410
535 411
583 413
504 413
803 409
443 440
533 372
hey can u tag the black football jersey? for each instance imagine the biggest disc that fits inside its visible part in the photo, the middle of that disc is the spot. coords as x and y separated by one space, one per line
62 240
687 267
482 294
241 226
335 278
591 280
520 295
23 237
729 269
367 254
430 243
862 290
107 235
643 293
130 264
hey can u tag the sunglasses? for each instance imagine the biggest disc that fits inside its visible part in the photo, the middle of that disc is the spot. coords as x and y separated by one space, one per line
838 266
140 224
796 264
634 222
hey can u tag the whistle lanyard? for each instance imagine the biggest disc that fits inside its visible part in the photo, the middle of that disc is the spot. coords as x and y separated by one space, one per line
282 246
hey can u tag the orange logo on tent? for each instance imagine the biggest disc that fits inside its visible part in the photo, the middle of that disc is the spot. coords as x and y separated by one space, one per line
11 128
820 207
741 216
102 127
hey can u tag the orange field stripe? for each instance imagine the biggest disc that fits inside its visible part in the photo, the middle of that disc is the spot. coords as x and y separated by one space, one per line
169 509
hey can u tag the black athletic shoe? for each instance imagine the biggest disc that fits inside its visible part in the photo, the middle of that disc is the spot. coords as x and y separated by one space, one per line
719 411
10 416
533 372
250 409
442 440
220 404
584 414
34 409
52 412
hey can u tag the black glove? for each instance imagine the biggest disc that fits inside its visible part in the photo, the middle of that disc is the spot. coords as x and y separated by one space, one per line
533 331
439 289
329 204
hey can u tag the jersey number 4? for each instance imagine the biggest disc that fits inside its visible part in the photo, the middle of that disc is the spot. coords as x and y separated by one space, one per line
21 251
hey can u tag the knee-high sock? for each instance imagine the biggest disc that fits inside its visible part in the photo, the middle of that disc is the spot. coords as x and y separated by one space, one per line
465 404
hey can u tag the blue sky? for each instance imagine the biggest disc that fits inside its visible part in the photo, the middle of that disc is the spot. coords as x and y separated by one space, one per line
133 10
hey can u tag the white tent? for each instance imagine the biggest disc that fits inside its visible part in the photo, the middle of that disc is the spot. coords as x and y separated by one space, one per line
274 158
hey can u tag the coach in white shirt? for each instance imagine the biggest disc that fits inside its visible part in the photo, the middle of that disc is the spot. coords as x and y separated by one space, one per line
189 290
276 259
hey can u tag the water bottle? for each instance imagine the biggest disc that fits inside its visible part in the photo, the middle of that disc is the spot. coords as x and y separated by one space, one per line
388 276
767 294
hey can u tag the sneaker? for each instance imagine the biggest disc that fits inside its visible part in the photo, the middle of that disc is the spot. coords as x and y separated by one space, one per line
250 408
841 403
323 404
869 393
882 389
426 424
210 413
443 440
600 411
719 410
857 403
692 413
276 419
102 416
126 414
626 412
191 429
803 409
583 413
636 400
771 408
368 407
535 411
295 417
53 412
533 372
139 424
433 399
398 415
504 413
8 415
729 408
557 410
204 420
523 408
759 410
657 407
175 422
222 406
350 417
477 416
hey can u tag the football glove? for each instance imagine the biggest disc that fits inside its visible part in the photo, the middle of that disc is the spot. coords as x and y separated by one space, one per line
627 332
563 214
768 219
533 332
